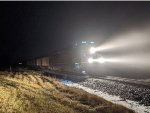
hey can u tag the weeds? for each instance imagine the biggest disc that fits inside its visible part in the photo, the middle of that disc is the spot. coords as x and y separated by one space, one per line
29 92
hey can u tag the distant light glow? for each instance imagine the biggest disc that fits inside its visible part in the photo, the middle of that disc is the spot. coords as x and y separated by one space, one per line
92 50
90 60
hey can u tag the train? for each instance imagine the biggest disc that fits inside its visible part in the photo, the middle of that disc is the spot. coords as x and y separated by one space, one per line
70 59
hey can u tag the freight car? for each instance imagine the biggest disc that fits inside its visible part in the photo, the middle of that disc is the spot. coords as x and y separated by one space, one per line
71 59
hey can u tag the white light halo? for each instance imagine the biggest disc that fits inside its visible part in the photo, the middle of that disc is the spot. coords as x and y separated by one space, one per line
90 60
101 60
92 50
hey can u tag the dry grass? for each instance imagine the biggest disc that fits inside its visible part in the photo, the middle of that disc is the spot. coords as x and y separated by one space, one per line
29 92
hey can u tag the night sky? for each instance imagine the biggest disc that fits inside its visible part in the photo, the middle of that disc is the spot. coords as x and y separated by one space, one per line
32 29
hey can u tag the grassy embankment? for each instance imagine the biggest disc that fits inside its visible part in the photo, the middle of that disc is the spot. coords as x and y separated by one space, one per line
29 92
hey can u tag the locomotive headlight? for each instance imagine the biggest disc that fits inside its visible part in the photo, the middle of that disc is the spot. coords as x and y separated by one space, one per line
92 50
90 60
101 60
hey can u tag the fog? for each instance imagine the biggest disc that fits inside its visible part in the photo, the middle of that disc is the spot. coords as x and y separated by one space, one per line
128 52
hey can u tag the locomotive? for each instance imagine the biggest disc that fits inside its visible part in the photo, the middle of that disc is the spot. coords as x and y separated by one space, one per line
71 59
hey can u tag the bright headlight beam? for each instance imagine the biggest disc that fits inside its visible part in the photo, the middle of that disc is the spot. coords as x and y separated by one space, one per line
131 40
